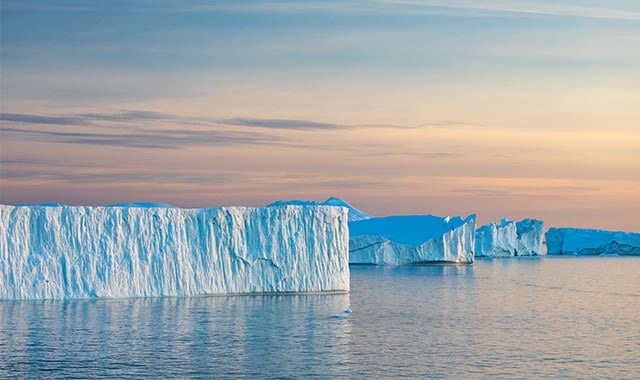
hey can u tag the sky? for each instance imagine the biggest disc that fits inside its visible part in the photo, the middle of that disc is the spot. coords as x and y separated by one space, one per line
501 108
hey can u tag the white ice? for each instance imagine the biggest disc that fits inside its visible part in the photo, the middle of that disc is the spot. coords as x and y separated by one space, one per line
354 214
497 240
579 241
412 239
509 238
85 252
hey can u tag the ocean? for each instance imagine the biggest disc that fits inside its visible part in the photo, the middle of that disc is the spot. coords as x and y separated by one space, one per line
541 317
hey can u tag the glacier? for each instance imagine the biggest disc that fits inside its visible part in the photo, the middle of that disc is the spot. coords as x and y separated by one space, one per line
354 213
412 239
71 252
582 241
510 238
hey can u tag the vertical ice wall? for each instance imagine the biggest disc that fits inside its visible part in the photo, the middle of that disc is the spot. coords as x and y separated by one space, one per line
509 238
496 240
530 237
84 252
581 241
399 240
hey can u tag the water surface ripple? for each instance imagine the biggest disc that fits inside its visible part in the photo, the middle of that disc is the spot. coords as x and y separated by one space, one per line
510 318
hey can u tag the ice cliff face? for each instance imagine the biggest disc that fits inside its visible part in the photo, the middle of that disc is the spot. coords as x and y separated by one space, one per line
578 241
354 213
509 238
530 237
86 252
497 240
398 240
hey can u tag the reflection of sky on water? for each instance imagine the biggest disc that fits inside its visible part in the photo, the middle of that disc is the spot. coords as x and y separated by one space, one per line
231 336
511 318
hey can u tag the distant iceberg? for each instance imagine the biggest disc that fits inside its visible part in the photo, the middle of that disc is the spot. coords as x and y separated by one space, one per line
509 238
579 241
354 214
530 237
86 252
412 239
497 240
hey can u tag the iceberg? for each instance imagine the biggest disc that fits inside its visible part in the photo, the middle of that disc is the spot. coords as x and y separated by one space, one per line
509 238
354 214
530 237
87 252
581 241
497 240
412 239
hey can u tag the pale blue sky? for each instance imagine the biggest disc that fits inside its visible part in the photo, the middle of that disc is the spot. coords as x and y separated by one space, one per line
516 108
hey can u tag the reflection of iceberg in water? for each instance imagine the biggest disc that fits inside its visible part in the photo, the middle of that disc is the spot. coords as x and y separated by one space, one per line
240 336
291 335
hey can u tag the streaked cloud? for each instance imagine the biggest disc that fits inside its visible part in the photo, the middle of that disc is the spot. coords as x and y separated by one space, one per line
168 139
41 119
116 176
298 125
83 118
605 10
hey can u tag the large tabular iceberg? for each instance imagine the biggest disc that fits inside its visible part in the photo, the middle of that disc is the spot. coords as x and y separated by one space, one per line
578 241
509 238
86 252
398 240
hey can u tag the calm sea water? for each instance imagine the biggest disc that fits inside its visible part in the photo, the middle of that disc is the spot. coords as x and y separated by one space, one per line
509 318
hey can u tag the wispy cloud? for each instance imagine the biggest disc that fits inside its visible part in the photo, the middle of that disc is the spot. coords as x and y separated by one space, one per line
484 192
448 124
290 124
89 175
84 118
145 129
128 115
211 130
41 119
162 139
529 7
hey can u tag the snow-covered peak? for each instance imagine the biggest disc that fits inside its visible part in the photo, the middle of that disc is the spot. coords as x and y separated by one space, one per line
354 213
